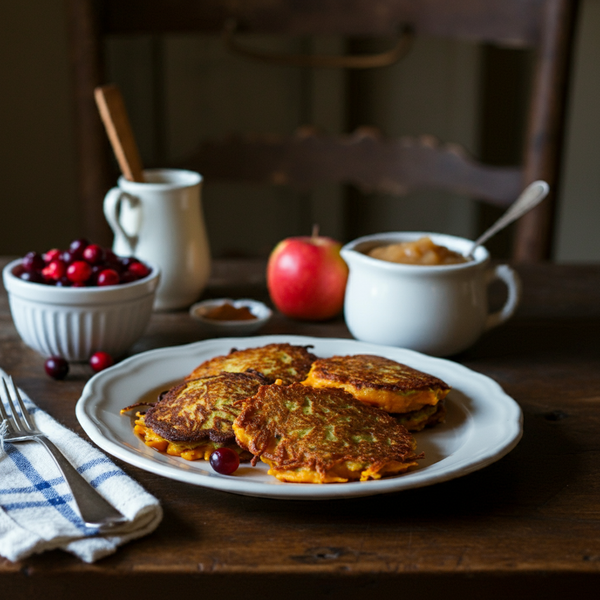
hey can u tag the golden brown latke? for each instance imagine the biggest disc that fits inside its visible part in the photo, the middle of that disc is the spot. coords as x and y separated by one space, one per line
378 381
275 361
322 435
194 418
202 408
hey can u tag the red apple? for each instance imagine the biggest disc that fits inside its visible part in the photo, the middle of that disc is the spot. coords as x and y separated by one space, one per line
306 277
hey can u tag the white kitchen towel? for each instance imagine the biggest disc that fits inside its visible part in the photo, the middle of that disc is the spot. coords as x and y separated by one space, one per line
37 511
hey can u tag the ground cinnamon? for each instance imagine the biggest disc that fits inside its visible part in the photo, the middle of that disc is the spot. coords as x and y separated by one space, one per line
228 312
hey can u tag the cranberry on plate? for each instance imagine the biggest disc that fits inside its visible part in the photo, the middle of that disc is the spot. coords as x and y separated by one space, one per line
224 461
56 367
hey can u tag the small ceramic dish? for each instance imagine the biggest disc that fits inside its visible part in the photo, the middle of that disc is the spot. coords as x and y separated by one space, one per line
76 322
261 311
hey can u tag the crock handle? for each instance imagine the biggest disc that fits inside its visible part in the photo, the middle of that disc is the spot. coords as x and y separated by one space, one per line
513 283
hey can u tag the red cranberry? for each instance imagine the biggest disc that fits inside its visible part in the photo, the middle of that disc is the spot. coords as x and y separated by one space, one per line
82 264
100 361
108 277
77 247
67 257
63 282
94 254
225 461
110 256
139 270
55 270
33 262
79 271
128 277
18 270
32 277
127 261
115 265
57 367
52 255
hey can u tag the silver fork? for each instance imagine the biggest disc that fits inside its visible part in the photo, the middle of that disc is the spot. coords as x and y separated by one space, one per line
95 511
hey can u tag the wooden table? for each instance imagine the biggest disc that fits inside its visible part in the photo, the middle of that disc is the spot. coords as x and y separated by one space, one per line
527 526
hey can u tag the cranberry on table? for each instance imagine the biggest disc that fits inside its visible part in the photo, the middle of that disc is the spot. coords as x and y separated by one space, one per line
108 277
56 367
100 361
225 461
79 271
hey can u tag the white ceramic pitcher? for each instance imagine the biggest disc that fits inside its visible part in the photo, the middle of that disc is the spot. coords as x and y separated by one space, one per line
161 220
437 310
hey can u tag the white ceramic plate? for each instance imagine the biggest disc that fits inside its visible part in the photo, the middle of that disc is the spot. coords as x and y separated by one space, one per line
483 423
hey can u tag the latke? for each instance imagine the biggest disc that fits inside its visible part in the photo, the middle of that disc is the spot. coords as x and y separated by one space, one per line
322 435
379 381
194 418
275 361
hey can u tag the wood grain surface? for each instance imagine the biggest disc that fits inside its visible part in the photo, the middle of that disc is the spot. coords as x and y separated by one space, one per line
527 526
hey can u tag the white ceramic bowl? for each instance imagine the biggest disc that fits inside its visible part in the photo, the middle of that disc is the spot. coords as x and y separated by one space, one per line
76 322
434 309
231 328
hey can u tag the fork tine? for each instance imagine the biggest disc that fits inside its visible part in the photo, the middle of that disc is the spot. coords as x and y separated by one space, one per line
3 414
15 420
24 412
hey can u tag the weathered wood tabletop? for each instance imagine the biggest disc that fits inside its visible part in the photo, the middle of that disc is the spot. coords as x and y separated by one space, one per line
526 526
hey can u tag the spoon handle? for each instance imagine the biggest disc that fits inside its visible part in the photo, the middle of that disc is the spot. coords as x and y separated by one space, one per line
114 116
531 196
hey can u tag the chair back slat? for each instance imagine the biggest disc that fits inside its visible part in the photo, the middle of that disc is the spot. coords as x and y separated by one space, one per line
366 160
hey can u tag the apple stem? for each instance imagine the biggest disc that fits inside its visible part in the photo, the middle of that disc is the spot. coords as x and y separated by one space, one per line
315 230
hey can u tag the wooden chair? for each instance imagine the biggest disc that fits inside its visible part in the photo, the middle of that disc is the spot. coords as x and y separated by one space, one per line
362 158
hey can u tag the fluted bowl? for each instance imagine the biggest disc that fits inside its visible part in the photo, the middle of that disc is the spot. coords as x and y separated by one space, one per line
76 322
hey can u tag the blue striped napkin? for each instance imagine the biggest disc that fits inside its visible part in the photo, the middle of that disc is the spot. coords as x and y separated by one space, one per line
37 512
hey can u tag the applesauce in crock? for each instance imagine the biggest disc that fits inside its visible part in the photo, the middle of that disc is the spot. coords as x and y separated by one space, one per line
420 252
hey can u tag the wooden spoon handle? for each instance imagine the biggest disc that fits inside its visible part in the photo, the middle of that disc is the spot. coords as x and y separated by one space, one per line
114 116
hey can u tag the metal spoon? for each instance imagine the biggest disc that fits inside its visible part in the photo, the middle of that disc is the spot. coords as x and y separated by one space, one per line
531 196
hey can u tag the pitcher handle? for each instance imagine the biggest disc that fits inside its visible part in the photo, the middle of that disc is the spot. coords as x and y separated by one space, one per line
112 208
512 281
